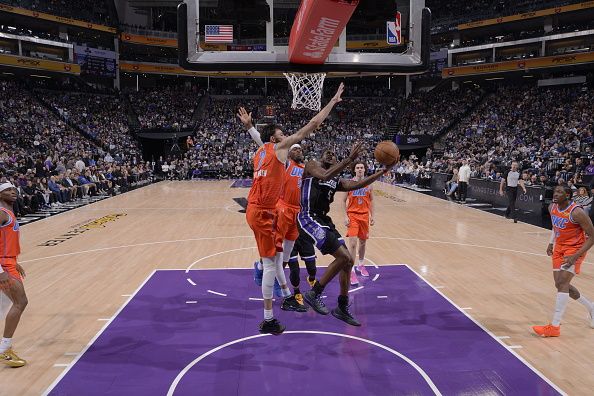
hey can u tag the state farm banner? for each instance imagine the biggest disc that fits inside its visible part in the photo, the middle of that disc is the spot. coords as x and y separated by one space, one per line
148 40
317 27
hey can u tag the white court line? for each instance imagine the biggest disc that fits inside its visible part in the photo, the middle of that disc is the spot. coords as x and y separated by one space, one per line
520 358
217 293
375 277
57 380
104 319
191 302
255 299
126 295
503 337
136 245
217 254
466 308
251 236
382 296
516 346
71 353
61 364
191 282
356 288
423 374
439 287
460 244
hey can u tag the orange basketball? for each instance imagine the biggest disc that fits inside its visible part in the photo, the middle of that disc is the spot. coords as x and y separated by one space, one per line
386 152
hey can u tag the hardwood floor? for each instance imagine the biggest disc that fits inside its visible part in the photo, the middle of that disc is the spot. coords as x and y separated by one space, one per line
82 265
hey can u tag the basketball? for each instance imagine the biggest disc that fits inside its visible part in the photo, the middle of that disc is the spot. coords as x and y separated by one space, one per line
386 152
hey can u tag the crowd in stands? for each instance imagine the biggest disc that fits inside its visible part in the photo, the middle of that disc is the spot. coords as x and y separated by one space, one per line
52 163
428 113
450 13
168 108
548 131
103 117
97 11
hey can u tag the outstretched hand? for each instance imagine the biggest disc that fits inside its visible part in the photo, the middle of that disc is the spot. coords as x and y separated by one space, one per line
245 117
356 150
337 97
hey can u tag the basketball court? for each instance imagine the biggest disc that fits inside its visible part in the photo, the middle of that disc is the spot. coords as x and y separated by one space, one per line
147 292
151 292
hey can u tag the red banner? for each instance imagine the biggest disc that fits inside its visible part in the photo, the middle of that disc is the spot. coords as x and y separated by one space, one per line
317 27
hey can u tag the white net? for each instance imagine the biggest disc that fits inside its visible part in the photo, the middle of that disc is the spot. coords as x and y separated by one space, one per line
307 90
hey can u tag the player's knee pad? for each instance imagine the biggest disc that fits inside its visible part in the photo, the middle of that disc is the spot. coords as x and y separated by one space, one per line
268 278
294 274
287 249
280 272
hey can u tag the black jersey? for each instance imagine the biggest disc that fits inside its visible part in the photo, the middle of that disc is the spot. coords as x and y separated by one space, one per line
317 195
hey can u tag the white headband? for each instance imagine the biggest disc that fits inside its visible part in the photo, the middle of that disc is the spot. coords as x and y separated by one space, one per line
6 186
294 146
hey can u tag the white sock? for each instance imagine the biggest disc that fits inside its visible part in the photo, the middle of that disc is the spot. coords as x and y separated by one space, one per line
585 302
560 305
260 265
362 262
268 314
5 344
287 249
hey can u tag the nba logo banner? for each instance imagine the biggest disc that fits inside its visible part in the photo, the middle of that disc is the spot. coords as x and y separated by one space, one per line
394 31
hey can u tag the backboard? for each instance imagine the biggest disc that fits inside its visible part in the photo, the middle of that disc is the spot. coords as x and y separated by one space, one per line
254 35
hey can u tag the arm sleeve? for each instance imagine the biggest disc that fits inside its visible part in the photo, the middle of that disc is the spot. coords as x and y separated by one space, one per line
255 136
552 240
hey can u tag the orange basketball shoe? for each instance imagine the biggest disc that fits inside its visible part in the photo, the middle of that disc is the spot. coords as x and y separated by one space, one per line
547 331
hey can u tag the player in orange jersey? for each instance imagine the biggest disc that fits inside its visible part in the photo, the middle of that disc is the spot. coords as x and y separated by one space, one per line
287 208
568 246
359 216
11 273
269 172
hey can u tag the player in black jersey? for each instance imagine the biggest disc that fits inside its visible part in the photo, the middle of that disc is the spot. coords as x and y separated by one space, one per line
319 183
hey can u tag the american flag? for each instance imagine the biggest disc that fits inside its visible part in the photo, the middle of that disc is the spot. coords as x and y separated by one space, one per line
218 33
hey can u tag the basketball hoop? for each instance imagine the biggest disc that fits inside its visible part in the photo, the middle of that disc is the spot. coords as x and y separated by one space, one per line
307 90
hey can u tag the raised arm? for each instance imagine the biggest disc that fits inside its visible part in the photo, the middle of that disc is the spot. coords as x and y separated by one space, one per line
313 168
350 185
313 124
246 120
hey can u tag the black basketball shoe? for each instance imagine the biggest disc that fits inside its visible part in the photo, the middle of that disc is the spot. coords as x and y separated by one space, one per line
291 304
315 301
345 315
273 327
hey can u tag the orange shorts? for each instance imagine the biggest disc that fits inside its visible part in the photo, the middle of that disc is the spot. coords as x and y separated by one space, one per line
286 223
561 251
358 226
263 224
9 266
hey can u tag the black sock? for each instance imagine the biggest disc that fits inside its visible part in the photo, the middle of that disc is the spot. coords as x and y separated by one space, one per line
318 288
296 291
343 301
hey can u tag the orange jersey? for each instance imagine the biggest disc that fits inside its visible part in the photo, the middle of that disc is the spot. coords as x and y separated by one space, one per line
567 231
359 201
291 194
269 174
9 236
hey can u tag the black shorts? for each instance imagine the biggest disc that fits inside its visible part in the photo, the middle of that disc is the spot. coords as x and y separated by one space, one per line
304 249
320 231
